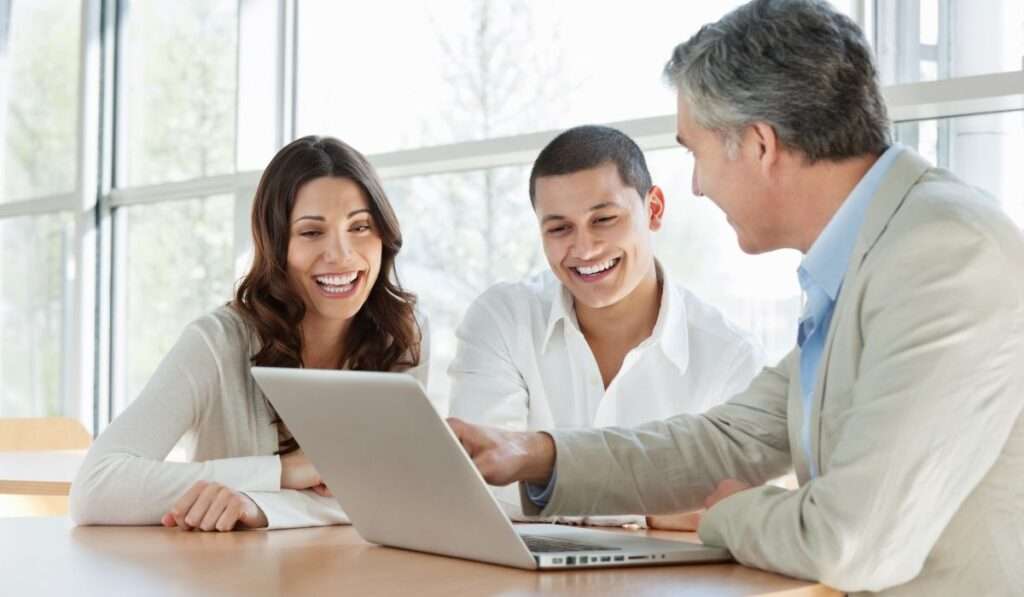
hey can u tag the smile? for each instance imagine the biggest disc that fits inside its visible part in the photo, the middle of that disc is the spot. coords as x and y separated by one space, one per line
596 271
338 285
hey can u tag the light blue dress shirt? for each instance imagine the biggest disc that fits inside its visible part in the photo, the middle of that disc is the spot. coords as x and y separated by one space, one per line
821 276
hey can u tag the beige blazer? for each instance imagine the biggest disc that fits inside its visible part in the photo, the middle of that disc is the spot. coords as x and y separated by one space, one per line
916 418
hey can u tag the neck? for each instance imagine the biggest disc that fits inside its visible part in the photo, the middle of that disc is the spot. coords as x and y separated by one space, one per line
323 341
818 193
628 321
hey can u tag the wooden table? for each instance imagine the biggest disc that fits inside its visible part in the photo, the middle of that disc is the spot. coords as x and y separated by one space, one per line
49 556
39 473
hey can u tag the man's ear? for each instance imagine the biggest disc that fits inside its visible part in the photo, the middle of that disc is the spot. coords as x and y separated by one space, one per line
767 146
655 205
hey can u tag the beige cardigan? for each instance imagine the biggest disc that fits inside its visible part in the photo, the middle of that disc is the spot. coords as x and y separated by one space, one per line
202 392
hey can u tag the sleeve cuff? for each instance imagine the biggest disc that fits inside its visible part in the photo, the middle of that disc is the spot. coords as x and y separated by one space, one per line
541 496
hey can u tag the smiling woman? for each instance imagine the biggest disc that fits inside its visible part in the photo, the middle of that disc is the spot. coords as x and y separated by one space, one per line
321 292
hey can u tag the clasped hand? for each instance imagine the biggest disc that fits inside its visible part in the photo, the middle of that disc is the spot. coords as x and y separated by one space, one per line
209 506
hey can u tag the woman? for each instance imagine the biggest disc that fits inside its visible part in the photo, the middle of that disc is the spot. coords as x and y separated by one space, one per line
321 293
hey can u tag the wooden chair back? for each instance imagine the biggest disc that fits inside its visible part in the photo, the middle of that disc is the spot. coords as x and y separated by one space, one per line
42 433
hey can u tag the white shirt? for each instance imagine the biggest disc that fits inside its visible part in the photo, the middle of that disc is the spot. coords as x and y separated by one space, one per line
523 363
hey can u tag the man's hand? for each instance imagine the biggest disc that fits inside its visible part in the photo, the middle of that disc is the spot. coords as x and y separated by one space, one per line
724 490
211 506
504 457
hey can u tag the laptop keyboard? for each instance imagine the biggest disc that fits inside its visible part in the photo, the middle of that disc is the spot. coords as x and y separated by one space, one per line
542 544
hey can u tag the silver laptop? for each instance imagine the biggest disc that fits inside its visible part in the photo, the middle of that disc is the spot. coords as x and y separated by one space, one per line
404 480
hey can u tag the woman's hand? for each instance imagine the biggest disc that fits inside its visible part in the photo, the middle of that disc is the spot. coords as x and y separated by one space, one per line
297 472
211 506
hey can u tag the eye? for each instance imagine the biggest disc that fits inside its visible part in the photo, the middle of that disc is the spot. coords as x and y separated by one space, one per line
360 227
310 233
605 220
557 230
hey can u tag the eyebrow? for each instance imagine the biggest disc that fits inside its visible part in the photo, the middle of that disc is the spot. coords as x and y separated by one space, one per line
322 219
601 205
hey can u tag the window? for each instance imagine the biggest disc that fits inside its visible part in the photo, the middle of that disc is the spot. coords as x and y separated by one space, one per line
462 233
927 40
125 178
36 275
447 72
39 41
178 265
177 92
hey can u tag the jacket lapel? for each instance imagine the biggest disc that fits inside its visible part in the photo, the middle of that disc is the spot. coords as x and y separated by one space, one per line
904 173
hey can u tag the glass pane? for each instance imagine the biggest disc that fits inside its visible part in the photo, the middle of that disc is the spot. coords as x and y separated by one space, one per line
177 90
925 40
982 150
39 42
36 286
178 265
462 233
462 70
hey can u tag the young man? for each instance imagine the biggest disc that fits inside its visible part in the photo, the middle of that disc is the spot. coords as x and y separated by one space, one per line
602 338
900 408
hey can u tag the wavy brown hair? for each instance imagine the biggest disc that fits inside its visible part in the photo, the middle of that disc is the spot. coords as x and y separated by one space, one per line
384 334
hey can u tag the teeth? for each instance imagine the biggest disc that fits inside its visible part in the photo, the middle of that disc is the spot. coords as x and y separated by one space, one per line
595 269
337 280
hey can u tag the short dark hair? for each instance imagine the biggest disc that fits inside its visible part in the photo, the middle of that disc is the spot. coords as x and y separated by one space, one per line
590 146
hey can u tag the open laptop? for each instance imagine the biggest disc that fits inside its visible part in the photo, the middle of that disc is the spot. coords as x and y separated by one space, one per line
405 481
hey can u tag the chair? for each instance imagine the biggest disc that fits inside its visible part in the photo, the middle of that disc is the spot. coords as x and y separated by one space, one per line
35 434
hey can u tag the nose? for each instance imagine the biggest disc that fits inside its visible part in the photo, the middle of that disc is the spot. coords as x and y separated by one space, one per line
694 187
586 245
338 249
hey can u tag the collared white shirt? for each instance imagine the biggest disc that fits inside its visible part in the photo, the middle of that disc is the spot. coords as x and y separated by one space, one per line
523 363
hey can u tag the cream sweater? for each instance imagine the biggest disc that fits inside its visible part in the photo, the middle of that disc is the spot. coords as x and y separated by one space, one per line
203 392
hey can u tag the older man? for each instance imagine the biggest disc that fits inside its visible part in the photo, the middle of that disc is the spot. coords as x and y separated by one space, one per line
900 407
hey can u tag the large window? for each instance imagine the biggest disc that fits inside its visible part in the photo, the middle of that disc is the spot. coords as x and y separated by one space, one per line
39 106
173 253
39 60
35 287
177 98
176 266
132 134
467 70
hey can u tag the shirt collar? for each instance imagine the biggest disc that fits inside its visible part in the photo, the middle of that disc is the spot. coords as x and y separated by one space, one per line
670 329
825 263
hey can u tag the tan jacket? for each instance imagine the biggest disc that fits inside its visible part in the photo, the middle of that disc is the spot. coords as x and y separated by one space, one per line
916 418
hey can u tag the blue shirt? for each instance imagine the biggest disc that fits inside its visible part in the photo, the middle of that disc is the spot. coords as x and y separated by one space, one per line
821 276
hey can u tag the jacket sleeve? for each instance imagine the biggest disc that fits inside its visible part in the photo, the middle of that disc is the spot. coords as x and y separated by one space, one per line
124 479
937 392
673 465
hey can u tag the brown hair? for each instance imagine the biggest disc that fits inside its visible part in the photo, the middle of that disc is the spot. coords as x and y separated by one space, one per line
384 334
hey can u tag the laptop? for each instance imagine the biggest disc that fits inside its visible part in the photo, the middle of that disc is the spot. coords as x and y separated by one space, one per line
403 478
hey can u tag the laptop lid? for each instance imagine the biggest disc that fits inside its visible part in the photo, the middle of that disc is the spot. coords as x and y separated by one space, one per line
393 463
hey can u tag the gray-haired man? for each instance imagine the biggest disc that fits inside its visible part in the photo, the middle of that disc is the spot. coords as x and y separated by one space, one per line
900 408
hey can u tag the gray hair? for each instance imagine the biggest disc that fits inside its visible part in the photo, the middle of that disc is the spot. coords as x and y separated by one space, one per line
798 65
